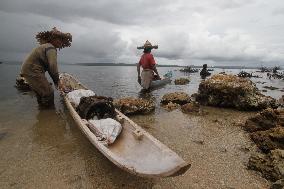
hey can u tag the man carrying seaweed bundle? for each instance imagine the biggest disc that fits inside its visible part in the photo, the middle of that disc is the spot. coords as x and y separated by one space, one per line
44 58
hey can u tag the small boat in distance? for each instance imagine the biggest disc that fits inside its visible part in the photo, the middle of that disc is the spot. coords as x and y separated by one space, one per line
167 78
134 150
159 83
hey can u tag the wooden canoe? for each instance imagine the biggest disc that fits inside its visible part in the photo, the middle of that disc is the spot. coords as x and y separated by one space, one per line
134 150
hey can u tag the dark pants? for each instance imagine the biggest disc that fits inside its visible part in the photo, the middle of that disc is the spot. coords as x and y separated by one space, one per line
40 85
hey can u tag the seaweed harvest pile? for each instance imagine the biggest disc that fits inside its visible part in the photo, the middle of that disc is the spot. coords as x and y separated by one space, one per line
182 81
176 97
130 105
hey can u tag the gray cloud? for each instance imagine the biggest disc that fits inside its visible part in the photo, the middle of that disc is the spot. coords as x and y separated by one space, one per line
278 11
239 31
100 44
116 12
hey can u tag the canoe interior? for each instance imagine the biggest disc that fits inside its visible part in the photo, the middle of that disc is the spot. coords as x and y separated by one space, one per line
140 154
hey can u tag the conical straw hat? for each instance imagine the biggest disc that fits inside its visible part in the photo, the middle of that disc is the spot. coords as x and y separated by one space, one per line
148 45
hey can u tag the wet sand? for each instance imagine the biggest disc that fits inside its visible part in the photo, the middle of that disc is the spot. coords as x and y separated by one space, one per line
57 155
216 146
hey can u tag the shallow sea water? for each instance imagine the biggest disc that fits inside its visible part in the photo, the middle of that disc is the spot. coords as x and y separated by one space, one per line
45 149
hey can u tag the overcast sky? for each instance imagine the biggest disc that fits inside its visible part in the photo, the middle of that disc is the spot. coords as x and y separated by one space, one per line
216 32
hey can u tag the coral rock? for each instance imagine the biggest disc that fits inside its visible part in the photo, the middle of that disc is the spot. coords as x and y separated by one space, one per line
176 97
281 100
181 81
264 120
192 107
270 139
132 105
171 106
278 184
271 165
232 91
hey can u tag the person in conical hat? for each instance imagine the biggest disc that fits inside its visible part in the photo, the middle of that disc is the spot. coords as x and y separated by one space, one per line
148 63
44 58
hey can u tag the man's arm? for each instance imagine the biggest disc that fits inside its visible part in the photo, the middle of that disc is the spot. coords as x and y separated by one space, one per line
153 63
138 73
51 55
156 71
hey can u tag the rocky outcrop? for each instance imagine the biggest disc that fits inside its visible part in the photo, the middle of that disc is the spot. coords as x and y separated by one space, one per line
270 165
232 91
277 75
270 139
182 81
171 106
281 101
192 107
264 120
279 184
244 74
132 105
176 97
267 129
189 69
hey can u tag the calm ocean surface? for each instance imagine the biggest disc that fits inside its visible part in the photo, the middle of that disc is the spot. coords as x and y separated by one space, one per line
45 149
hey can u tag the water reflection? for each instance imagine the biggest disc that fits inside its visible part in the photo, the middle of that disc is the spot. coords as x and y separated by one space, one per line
146 95
49 129
2 135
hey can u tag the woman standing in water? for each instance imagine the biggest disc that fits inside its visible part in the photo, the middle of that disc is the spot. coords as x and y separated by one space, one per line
44 58
148 64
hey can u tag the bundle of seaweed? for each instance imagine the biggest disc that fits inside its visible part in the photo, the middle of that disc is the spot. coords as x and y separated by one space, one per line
131 105
48 36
